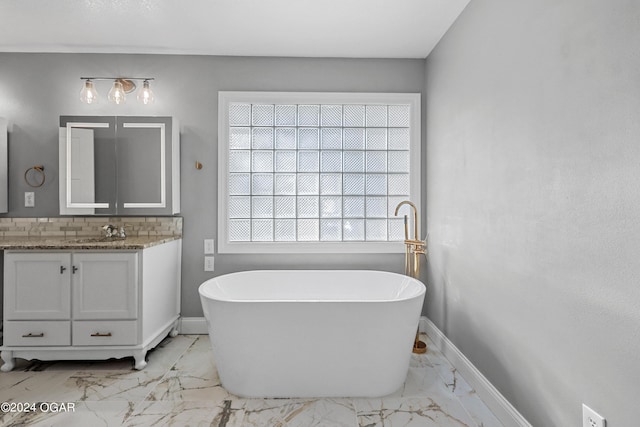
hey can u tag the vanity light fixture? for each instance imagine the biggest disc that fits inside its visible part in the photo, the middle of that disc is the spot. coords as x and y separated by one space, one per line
121 87
89 94
117 94
145 95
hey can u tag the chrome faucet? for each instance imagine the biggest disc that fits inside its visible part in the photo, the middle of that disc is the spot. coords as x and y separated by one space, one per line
112 231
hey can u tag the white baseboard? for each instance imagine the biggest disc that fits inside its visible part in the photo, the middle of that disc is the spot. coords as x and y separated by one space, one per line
193 326
501 408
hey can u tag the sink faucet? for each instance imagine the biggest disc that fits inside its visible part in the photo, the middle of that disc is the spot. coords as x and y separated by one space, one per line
110 230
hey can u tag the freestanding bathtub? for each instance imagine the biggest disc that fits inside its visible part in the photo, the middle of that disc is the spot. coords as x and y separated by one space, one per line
312 333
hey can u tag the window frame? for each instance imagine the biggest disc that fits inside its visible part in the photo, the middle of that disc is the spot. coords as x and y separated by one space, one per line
225 98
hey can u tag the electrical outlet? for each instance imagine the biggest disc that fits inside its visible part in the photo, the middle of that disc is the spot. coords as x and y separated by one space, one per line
209 247
591 418
29 199
208 263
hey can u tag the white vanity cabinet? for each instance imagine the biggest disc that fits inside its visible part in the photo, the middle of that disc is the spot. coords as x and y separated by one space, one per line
89 304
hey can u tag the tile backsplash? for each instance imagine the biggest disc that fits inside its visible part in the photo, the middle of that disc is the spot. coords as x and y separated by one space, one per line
89 226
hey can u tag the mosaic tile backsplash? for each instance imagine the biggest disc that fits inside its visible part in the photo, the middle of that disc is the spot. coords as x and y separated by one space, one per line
89 226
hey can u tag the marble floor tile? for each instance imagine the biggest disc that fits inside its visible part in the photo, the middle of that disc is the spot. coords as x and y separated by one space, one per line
459 387
180 387
31 386
167 353
186 386
130 386
192 377
412 412
198 355
174 414
80 414
298 413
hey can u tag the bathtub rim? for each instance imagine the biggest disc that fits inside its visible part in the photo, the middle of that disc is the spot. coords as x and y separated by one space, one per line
420 293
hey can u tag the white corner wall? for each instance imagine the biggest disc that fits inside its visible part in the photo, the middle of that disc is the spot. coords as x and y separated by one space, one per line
533 202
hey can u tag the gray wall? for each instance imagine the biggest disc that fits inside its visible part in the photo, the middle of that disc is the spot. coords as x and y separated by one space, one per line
37 88
533 189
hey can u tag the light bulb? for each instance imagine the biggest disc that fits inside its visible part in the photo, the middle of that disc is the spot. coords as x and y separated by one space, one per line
88 94
145 95
117 94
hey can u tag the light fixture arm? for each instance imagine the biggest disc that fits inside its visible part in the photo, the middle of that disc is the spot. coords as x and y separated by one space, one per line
118 78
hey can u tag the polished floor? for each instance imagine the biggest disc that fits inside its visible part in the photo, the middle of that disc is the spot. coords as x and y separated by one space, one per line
180 387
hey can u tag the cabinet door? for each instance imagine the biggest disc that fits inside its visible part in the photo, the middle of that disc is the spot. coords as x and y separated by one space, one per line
37 286
105 285
147 165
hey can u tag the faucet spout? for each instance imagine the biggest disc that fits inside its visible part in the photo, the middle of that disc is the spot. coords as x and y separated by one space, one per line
415 218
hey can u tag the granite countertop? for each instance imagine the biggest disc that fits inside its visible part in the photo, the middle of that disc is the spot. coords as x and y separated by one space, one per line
75 243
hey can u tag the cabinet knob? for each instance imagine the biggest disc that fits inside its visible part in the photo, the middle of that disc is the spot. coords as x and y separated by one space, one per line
62 269
30 335
74 269
101 334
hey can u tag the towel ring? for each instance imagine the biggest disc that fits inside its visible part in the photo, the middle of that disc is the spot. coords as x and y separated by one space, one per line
36 178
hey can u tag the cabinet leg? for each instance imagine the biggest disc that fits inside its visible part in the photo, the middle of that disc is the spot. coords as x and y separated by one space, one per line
139 357
9 361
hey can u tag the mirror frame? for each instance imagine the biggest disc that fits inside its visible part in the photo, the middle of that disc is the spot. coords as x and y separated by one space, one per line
70 204
163 156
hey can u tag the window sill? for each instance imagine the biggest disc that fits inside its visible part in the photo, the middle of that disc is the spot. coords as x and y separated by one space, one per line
310 247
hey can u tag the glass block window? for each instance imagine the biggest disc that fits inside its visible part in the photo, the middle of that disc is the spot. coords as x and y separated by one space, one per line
316 172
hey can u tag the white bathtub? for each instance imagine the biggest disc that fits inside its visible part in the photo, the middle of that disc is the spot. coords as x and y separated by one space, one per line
307 333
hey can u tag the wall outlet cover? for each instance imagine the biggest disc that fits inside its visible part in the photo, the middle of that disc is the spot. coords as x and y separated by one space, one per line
29 199
209 248
208 263
591 418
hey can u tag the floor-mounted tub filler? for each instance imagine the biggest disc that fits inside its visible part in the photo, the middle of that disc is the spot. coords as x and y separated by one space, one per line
312 333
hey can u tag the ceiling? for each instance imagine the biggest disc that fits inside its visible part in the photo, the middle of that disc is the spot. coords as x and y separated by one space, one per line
294 28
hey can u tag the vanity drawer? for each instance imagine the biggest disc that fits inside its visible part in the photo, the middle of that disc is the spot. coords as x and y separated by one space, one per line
105 332
37 333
